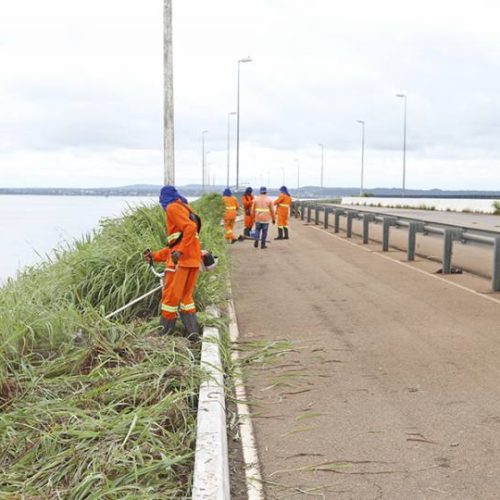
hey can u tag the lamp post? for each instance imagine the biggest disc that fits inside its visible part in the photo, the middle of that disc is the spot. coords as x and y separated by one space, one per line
298 173
403 96
245 60
322 165
362 155
203 159
168 96
229 143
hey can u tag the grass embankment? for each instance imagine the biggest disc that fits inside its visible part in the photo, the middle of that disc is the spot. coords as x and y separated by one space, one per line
92 408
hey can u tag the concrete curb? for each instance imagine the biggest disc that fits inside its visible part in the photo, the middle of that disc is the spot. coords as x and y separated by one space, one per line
211 466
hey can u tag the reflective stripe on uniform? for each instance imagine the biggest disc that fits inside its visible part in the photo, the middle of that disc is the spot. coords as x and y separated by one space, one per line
281 227
170 309
187 307
262 209
230 208
283 205
173 236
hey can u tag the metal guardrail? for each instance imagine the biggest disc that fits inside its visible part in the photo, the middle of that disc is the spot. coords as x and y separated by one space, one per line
450 233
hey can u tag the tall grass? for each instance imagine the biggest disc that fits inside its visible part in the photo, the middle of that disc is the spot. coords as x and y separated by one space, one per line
91 408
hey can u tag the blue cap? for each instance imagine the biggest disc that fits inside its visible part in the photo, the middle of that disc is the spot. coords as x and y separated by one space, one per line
263 190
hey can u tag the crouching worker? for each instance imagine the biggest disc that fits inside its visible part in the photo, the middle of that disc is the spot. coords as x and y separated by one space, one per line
182 257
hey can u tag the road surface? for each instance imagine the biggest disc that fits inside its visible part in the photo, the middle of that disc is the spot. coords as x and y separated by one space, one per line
388 386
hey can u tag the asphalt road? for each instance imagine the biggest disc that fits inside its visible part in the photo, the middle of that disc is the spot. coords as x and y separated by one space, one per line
388 385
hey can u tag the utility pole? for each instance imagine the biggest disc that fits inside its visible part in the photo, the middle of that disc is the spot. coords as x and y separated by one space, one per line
168 99
322 165
361 188
245 60
203 156
403 96
229 143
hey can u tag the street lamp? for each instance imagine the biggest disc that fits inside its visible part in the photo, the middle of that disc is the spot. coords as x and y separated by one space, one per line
362 154
203 159
403 96
322 165
298 173
228 143
245 60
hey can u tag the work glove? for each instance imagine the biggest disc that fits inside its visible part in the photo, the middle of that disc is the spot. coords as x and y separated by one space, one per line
274 222
247 211
147 255
176 255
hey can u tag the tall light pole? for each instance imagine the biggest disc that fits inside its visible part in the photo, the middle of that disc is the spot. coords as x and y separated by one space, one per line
245 60
362 155
298 173
229 143
403 96
168 96
203 159
322 164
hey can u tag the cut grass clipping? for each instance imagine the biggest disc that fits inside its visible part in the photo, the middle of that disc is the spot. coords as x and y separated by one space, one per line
93 408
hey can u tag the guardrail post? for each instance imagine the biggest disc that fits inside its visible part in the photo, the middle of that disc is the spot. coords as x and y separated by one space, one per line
413 229
316 215
367 218
308 213
338 213
325 217
350 216
386 224
302 210
449 236
496 264
298 209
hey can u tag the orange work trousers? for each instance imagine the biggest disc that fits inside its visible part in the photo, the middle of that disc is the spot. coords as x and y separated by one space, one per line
228 229
248 221
178 292
282 220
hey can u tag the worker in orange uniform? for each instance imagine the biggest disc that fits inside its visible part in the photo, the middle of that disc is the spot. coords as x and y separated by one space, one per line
247 202
282 203
183 258
232 208
263 213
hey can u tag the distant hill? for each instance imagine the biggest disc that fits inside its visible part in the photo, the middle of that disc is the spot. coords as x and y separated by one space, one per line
303 192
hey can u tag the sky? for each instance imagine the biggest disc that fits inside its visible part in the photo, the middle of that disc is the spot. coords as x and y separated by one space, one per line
81 84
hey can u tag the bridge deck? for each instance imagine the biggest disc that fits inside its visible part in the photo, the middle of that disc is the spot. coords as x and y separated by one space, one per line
390 388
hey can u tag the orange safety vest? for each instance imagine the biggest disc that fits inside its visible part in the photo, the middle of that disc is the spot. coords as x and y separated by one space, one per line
231 207
283 202
262 209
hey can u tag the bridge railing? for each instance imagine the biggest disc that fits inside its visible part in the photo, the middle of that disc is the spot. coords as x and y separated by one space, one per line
333 214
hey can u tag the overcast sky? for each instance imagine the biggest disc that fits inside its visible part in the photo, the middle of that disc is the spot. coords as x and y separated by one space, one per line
81 91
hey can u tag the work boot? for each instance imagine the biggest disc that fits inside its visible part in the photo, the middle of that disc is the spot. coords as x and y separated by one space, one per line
263 245
246 231
168 325
241 237
191 326
256 243
286 233
280 234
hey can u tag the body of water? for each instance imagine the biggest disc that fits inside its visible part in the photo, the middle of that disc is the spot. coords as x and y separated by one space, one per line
32 226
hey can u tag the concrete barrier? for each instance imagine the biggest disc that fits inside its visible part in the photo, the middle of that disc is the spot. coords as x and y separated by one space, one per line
211 466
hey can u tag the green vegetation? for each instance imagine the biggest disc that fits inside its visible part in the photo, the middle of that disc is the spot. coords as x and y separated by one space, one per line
496 206
92 408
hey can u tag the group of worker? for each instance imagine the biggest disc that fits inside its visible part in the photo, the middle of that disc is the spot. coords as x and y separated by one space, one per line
183 256
259 210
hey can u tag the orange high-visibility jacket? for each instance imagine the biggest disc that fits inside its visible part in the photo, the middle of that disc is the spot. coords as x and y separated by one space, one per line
232 207
262 209
283 202
182 234
247 202
162 255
